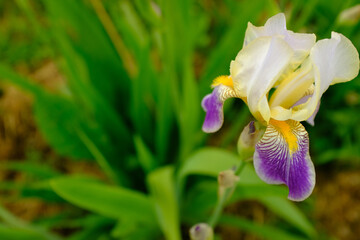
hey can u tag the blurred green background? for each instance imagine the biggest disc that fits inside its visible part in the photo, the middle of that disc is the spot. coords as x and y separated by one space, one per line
100 124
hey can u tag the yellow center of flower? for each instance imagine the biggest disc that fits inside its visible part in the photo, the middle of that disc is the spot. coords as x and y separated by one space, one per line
224 80
285 129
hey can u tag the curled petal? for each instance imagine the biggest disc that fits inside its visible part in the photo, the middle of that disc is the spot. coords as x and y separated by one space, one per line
256 69
213 106
303 100
282 157
334 60
282 114
301 43
311 119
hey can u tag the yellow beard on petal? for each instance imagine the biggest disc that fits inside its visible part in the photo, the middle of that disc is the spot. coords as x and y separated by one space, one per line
285 129
224 80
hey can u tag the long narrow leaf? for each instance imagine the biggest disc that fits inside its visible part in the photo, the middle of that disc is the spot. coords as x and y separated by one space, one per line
287 210
162 189
265 231
114 202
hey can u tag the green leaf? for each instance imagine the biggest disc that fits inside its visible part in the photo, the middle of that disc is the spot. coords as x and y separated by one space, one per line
211 161
58 118
93 226
144 155
208 161
265 231
147 11
162 188
128 230
16 228
202 197
95 74
88 37
288 211
9 75
14 233
130 26
114 202
37 170
258 191
143 98
62 122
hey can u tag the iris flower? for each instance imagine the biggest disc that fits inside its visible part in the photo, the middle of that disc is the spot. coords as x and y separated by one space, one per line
281 76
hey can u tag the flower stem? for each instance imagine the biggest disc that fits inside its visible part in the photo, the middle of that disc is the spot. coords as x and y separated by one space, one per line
222 199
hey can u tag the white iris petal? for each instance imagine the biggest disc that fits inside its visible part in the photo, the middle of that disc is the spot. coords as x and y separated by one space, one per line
334 60
262 65
301 43
300 71
256 69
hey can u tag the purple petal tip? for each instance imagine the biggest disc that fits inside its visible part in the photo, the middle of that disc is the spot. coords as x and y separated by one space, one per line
213 107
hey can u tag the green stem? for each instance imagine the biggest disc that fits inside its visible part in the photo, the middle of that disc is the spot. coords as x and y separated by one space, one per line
240 168
222 199
219 208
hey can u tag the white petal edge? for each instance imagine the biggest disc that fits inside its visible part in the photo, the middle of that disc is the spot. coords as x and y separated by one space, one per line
301 43
333 60
256 69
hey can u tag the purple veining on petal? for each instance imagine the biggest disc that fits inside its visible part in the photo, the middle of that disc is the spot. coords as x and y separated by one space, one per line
275 164
213 107
311 119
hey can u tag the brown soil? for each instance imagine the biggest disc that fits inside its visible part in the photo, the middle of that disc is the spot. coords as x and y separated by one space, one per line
337 208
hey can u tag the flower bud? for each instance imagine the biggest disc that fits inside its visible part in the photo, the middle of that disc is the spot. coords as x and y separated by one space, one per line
226 179
201 231
251 134
350 16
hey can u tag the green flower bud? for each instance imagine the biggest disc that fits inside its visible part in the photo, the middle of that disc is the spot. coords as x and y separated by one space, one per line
251 134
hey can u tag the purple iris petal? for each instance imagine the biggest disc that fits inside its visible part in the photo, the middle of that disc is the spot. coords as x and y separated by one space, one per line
213 107
282 157
311 119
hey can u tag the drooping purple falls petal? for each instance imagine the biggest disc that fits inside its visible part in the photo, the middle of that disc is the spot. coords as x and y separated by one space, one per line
282 157
213 106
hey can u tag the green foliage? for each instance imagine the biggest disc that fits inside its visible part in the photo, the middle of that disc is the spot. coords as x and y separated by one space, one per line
115 202
288 211
265 231
14 228
18 234
135 74
162 189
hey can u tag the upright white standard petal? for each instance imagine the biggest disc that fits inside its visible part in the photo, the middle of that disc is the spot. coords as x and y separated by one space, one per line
334 60
256 69
301 43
